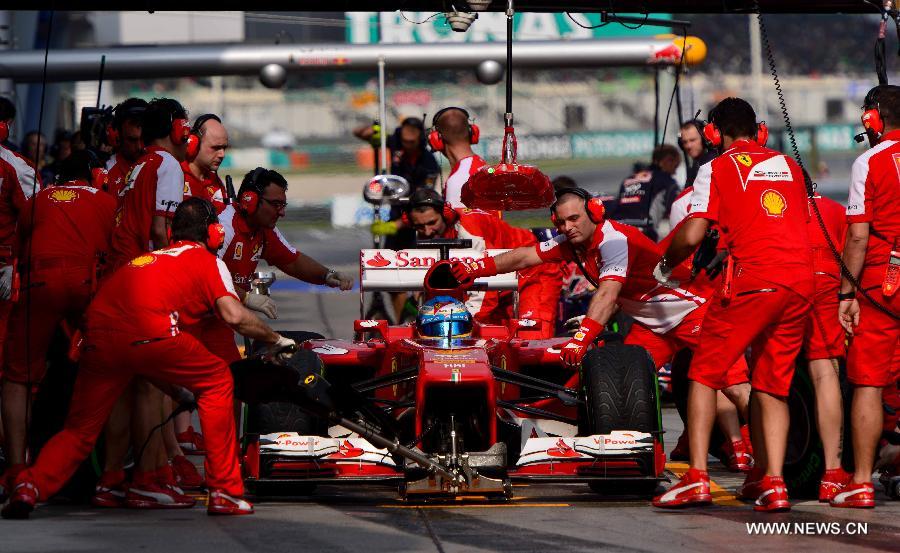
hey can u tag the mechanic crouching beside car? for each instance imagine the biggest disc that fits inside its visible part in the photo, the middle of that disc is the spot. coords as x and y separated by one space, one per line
132 328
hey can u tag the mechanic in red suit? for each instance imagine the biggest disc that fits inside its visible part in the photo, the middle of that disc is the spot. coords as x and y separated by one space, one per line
872 256
154 188
620 260
758 198
201 178
124 136
66 241
251 235
539 287
133 327
452 134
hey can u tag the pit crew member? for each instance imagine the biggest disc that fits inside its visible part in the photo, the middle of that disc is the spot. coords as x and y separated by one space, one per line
133 327
251 235
696 150
124 137
648 193
872 256
539 287
452 133
201 176
757 197
66 242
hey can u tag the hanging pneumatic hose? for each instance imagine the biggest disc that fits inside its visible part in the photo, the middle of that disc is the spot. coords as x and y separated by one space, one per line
810 184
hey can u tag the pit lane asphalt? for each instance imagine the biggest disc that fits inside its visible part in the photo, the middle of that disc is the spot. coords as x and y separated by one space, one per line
541 518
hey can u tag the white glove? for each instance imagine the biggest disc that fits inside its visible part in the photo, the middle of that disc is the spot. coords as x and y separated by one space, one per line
262 303
277 349
663 273
6 278
335 279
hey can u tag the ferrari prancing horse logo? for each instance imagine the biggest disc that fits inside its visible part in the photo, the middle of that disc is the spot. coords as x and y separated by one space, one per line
744 160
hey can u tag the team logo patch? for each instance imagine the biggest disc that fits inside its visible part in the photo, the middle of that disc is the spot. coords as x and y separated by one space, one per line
744 159
378 261
257 252
239 250
142 260
773 202
62 195
187 189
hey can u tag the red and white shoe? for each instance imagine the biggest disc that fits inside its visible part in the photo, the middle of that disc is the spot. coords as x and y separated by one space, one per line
21 501
156 496
773 496
191 442
109 497
833 481
745 434
8 479
682 449
186 475
739 459
751 488
220 503
856 496
692 489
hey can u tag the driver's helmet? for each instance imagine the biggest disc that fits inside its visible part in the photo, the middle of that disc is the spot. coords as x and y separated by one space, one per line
444 317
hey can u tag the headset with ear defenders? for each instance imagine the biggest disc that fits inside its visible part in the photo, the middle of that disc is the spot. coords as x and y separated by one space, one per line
215 231
436 141
250 192
713 135
193 140
592 206
434 201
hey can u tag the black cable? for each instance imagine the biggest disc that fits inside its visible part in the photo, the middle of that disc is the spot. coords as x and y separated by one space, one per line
509 41
26 284
575 21
655 107
678 69
810 184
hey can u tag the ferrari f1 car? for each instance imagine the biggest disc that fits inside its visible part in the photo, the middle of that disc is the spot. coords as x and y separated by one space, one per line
445 406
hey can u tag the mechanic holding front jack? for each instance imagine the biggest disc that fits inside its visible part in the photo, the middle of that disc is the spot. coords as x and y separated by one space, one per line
133 327
539 287
619 260
251 235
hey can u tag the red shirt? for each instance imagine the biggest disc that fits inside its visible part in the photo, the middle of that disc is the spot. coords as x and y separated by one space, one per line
758 198
833 215
117 176
622 253
17 183
209 187
155 186
875 197
74 220
244 248
459 175
155 294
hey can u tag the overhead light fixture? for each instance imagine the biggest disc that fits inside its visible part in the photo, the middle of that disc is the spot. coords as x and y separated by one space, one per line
479 5
460 21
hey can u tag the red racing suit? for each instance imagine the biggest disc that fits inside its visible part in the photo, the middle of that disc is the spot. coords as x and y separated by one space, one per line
539 287
875 199
459 175
209 187
241 252
825 335
155 186
133 328
758 199
117 175
18 182
68 238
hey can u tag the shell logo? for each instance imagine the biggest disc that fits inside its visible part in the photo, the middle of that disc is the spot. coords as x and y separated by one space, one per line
142 260
64 196
773 202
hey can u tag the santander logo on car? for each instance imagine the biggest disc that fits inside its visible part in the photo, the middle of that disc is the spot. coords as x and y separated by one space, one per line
406 259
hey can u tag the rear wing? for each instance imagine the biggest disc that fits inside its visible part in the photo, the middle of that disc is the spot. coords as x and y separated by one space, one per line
383 270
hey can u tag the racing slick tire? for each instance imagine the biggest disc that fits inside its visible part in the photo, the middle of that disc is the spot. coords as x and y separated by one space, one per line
266 418
621 393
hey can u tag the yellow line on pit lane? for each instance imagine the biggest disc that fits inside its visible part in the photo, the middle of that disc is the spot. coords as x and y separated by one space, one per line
720 495
475 506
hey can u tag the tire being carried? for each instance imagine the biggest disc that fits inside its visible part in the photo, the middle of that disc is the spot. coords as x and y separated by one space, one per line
621 393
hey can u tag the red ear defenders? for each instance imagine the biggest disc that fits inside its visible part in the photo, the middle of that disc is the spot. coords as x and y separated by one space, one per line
593 206
436 141
713 136
215 231
248 196
193 139
181 131
98 178
4 131
872 121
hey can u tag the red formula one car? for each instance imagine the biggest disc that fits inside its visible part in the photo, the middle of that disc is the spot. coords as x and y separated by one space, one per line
485 409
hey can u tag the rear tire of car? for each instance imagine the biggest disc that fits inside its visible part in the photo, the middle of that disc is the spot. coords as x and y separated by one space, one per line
267 418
